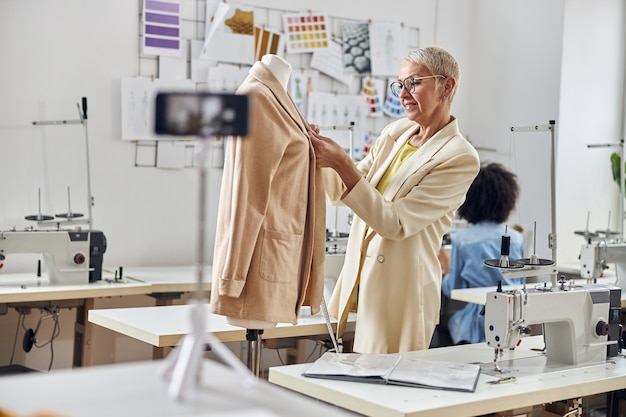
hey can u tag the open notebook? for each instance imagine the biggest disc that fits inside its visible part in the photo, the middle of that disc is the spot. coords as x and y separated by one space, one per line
396 369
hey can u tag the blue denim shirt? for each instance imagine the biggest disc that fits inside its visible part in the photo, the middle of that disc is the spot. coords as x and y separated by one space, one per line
471 247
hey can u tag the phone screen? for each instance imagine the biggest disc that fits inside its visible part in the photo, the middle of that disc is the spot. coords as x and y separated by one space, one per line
201 114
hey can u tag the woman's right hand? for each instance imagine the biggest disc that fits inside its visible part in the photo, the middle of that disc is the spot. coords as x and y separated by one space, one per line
329 154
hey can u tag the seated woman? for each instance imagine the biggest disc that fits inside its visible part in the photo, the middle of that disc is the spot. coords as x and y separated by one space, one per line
490 200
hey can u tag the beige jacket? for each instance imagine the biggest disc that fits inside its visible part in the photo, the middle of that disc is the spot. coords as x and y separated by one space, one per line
395 237
271 226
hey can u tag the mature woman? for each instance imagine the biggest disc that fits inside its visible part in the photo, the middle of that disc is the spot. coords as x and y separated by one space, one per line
404 194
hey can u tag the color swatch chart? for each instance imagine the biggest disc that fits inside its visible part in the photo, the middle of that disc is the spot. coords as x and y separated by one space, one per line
267 41
393 105
372 95
161 28
306 32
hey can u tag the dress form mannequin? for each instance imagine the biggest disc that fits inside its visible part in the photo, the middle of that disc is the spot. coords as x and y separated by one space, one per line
281 70
278 66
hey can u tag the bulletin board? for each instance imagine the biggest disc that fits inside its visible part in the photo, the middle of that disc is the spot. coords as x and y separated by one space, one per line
341 67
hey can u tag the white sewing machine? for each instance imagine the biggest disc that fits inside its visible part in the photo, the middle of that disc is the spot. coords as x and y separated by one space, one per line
581 324
69 257
595 258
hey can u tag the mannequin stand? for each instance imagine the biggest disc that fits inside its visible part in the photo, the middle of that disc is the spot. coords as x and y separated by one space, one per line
183 365
255 344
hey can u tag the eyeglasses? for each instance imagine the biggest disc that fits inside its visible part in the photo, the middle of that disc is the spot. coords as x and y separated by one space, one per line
409 83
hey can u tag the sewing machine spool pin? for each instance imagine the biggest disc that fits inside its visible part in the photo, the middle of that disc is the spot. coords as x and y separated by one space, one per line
39 216
69 214
504 262
525 267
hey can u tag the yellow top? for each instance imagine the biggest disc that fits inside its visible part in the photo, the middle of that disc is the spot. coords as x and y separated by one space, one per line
406 151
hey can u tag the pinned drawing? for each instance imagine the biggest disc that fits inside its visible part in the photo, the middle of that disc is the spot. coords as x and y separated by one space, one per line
226 78
138 104
301 84
329 109
330 62
230 34
356 47
241 21
388 43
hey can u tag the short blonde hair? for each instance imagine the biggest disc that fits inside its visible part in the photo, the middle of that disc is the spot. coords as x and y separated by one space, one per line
438 61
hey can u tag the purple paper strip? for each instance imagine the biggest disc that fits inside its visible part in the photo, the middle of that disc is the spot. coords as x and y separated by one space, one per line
162 31
162 43
161 18
161 6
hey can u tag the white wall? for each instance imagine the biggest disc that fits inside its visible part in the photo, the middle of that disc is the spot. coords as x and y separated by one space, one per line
55 52
591 112
515 69
509 54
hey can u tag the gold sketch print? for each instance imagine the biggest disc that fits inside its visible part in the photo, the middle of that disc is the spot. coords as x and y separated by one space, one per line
242 22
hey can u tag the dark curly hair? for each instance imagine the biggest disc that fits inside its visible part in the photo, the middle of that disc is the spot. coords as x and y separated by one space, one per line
492 195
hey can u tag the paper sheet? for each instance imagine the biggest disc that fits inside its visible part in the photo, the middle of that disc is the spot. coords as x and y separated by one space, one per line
301 84
306 32
388 43
330 62
356 47
138 105
233 39
268 41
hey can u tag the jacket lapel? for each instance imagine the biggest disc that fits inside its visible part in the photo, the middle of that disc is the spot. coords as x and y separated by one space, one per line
416 161
378 173
266 77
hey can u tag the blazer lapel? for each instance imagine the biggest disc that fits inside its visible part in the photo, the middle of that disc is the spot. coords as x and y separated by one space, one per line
416 161
378 173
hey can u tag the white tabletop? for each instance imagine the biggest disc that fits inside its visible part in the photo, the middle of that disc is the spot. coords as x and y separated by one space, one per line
387 400
27 287
15 288
137 389
165 325
479 295
181 278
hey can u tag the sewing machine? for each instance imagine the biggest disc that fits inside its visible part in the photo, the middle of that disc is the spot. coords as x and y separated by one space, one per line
595 258
581 324
69 257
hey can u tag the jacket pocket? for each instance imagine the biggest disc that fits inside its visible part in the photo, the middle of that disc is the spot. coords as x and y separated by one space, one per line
280 256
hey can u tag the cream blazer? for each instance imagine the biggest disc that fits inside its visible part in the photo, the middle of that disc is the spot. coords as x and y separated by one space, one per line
391 265
271 226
